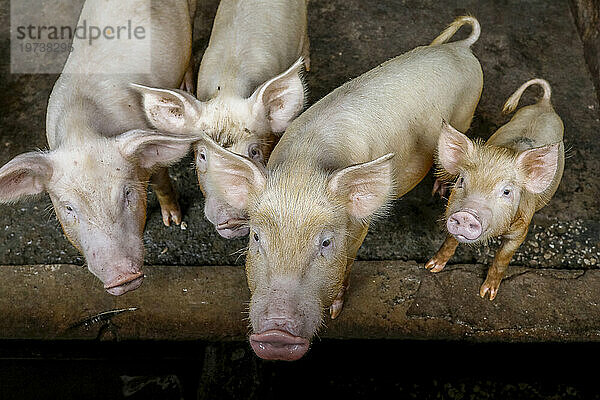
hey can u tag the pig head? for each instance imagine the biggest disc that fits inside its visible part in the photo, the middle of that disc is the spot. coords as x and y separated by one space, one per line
246 126
305 227
98 189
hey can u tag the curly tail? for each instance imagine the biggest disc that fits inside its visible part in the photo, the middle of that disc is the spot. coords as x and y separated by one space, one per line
455 26
513 100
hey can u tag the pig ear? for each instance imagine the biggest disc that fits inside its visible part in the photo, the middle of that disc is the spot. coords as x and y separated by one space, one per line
167 110
364 187
540 166
233 176
453 146
149 149
281 98
25 175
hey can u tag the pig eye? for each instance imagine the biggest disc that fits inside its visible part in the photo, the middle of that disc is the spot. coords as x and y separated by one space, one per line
70 213
507 191
255 153
201 160
128 194
255 236
326 246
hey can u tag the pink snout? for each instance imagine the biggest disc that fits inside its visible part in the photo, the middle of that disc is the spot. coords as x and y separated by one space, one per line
464 225
276 344
233 228
124 283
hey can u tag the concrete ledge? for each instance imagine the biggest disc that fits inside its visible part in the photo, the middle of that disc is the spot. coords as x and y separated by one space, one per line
387 300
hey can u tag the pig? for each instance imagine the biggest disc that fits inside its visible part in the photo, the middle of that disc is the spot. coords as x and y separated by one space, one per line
501 183
102 153
335 169
250 86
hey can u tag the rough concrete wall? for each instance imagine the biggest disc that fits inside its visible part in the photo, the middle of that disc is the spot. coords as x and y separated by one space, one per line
587 19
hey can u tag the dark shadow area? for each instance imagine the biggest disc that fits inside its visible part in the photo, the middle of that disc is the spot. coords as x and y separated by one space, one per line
332 368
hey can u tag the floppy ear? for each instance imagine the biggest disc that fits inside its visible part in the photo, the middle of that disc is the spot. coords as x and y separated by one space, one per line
281 98
149 149
364 187
453 146
540 166
25 175
167 110
233 176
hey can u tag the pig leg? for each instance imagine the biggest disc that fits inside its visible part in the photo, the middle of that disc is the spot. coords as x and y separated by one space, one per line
167 197
439 260
338 303
189 83
508 247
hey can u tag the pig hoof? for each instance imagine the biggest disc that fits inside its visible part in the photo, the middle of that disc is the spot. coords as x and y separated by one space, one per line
338 304
434 265
490 288
171 214
336 308
188 83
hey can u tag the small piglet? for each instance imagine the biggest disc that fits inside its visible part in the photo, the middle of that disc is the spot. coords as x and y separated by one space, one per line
102 151
250 88
500 184
337 165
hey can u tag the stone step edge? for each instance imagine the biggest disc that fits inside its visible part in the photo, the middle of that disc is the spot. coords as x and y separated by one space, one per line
387 299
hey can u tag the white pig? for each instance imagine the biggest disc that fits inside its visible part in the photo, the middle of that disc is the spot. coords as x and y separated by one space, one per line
502 183
250 88
336 166
101 152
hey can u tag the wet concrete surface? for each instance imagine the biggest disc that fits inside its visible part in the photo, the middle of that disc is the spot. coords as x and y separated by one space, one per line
518 41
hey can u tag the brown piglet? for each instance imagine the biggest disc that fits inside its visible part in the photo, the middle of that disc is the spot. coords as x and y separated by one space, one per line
501 183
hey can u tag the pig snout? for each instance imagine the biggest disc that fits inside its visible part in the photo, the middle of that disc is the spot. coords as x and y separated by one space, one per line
285 315
118 277
229 222
464 224
233 228
124 283
277 343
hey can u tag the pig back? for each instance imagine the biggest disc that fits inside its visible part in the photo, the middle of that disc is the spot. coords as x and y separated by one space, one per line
396 107
93 90
534 126
251 42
